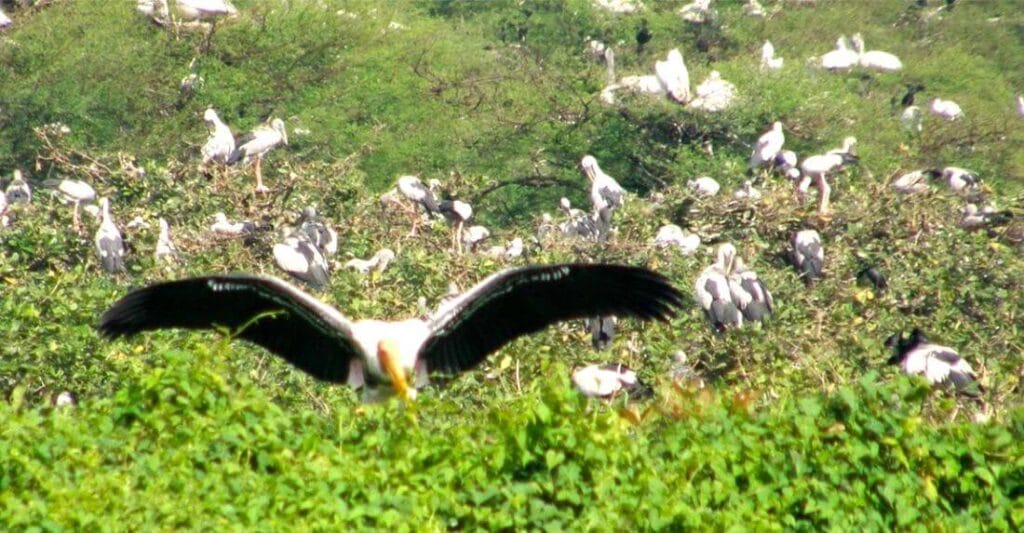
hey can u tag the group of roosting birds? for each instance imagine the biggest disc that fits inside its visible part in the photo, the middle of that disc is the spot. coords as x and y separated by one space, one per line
384 357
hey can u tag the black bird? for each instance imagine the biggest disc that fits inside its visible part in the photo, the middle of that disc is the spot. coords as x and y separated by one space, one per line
602 331
908 97
643 36
372 353
873 276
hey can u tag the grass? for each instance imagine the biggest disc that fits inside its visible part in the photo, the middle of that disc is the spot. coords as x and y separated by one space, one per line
801 425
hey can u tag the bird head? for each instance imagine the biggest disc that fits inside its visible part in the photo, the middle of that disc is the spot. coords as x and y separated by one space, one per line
388 354
589 164
726 256
278 125
210 115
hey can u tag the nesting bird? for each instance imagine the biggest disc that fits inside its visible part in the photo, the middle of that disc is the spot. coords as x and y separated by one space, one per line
768 59
578 223
378 263
257 144
875 59
220 145
713 94
109 245
946 109
299 257
672 236
747 192
606 194
317 232
673 76
807 255
936 363
713 292
768 146
165 249
475 235
606 381
379 355
915 182
222 226
18 190
704 186
842 58
749 293
960 179
697 12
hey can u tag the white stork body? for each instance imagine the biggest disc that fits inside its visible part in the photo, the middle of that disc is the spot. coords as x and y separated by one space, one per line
674 76
875 59
75 192
220 145
769 144
808 255
672 236
458 212
816 169
18 190
606 195
475 235
5 21
704 186
914 182
938 364
165 249
749 293
713 292
768 59
960 179
1020 105
605 381
198 10
946 109
714 94
222 226
786 162
303 260
457 337
697 12
912 119
747 192
260 141
840 59
109 246
378 263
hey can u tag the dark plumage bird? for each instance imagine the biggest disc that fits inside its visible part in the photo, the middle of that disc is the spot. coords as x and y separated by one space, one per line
109 245
908 97
807 255
874 277
643 36
317 232
372 353
713 292
602 331
938 364
301 258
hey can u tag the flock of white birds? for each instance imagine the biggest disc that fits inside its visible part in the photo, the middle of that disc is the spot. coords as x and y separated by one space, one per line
729 292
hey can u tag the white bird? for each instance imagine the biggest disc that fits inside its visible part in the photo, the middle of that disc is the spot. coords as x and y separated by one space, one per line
747 192
749 293
671 235
786 163
75 192
220 145
875 59
816 169
768 59
972 218
458 212
156 10
379 262
5 21
912 119
256 145
713 291
620 7
673 76
605 381
647 84
938 364
915 181
960 179
109 245
753 8
3 207
578 223
768 146
849 142
317 232
222 226
18 190
378 355
165 249
137 222
303 260
697 12
704 186
807 255
946 109
413 189
713 94
842 58
198 10
1020 104
474 235
514 249
606 195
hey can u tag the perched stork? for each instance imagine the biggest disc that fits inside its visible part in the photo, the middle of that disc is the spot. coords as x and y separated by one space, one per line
578 223
704 186
816 169
807 255
673 76
303 260
768 59
671 235
938 364
842 58
915 181
75 192
972 217
222 226
256 145
317 232
946 109
458 212
18 191
713 94
875 59
372 353
413 189
768 147
714 294
749 293
606 195
165 249
960 179
607 381
602 331
378 263
109 245
220 145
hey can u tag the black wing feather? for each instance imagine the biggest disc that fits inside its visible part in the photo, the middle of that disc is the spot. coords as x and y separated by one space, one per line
516 302
296 327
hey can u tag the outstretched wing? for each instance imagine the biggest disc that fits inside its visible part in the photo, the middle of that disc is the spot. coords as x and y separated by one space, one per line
263 310
519 301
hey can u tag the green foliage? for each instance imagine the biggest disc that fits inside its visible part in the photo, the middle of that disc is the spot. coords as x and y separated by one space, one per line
800 427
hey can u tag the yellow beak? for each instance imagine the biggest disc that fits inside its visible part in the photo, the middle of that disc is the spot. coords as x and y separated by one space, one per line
387 352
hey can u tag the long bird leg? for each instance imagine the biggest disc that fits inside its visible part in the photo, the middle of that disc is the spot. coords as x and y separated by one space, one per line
824 193
75 221
260 188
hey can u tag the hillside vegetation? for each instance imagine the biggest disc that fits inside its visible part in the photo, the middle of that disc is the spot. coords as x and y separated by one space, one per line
795 424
